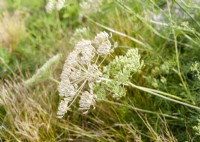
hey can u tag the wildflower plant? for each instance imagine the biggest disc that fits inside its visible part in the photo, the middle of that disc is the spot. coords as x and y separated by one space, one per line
80 70
119 72
83 77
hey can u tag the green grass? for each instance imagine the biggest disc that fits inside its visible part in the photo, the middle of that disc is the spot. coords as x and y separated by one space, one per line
168 45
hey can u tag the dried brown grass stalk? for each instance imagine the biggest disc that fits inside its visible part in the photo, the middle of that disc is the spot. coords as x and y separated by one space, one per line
25 115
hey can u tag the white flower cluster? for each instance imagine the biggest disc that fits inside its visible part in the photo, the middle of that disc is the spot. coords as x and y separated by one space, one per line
87 99
80 72
90 6
54 4
102 43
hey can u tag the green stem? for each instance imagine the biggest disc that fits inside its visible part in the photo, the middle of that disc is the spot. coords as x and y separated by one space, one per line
178 65
177 59
155 92
140 110
160 94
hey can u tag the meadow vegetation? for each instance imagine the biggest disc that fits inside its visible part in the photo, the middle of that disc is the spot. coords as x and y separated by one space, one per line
100 70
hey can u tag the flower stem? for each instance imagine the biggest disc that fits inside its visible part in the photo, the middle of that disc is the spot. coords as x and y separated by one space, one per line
161 95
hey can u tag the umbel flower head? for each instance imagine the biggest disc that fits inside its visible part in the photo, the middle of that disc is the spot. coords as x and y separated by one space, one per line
80 72
102 43
82 75
117 74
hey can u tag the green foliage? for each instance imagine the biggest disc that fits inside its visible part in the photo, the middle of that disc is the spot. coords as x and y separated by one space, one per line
165 32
